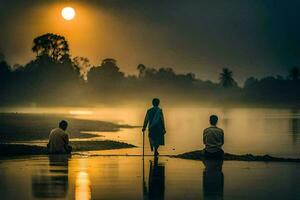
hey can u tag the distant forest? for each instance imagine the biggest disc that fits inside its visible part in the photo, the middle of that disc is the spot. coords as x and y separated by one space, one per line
54 78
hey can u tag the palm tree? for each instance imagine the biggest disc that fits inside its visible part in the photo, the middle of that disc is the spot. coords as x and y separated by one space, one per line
226 78
294 73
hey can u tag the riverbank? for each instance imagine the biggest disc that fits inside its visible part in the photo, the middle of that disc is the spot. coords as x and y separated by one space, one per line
22 149
16 127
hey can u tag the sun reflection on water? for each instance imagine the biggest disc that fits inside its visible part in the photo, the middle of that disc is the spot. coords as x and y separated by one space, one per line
80 112
82 186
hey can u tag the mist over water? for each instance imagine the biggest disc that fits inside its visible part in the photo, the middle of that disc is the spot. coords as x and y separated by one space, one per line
247 130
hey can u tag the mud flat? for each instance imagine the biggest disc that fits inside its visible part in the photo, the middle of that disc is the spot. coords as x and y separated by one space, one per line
22 149
198 155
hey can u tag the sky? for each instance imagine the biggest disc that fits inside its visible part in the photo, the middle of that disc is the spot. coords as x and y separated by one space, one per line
251 37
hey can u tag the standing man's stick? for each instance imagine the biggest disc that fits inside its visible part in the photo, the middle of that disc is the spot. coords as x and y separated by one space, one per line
143 144
143 179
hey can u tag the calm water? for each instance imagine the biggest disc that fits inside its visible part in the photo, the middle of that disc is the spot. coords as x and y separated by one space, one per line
116 177
247 130
257 131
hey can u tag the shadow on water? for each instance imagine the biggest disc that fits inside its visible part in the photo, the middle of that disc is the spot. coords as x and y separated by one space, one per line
54 181
156 181
213 179
294 125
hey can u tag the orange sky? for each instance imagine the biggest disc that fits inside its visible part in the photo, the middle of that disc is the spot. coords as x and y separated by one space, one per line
93 33
252 38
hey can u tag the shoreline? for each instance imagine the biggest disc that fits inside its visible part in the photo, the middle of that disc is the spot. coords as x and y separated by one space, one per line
198 155
7 150
16 127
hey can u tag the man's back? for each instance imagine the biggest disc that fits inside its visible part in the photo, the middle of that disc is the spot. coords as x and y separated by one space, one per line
151 114
213 138
58 141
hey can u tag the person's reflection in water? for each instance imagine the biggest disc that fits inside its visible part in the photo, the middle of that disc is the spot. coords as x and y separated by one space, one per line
213 179
294 125
156 180
52 183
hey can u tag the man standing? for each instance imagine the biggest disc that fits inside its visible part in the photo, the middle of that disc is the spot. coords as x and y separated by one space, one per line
213 138
154 117
59 140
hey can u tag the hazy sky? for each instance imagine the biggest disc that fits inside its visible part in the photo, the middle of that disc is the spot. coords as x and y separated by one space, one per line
252 37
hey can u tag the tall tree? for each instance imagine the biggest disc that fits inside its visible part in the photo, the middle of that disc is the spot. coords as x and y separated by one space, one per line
250 82
226 78
141 68
51 45
106 74
5 75
83 65
4 69
294 73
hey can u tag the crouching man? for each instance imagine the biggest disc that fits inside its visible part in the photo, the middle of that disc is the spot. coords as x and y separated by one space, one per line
213 139
59 140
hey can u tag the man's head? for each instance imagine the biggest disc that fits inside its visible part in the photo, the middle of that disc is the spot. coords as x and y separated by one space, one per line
213 119
155 102
63 125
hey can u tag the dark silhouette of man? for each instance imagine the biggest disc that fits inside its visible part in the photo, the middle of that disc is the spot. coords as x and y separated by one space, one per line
52 183
155 118
213 138
59 140
156 181
213 179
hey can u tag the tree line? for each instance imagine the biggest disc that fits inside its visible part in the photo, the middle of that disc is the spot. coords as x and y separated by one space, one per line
56 78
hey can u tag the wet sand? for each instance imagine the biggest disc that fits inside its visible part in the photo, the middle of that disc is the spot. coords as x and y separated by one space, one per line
7 150
199 155
15 127
94 148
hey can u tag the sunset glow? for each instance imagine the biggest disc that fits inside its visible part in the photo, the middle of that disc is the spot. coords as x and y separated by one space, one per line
156 100
80 112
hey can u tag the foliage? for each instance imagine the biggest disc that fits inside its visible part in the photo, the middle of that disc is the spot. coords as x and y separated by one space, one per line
53 78
51 45
226 78
83 65
294 73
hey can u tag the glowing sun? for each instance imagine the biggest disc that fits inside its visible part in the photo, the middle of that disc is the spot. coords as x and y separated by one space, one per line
68 13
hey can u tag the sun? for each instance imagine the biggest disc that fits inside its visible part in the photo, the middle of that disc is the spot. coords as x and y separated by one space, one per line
68 13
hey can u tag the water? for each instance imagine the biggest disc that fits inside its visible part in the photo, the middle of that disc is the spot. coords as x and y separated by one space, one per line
121 177
247 130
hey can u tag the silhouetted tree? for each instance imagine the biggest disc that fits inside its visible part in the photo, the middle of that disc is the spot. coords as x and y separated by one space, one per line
83 65
226 78
141 68
108 74
51 45
4 71
5 78
4 68
53 78
250 82
294 73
